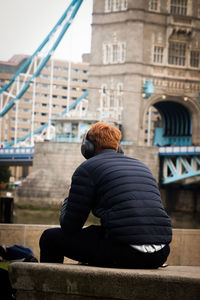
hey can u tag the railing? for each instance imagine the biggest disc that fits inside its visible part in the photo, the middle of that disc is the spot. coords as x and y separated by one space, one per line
179 150
16 154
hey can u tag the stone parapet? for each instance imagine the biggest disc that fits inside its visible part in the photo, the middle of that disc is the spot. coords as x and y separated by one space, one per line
185 246
77 282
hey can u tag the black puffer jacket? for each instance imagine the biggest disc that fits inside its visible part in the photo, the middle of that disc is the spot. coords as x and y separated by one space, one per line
122 192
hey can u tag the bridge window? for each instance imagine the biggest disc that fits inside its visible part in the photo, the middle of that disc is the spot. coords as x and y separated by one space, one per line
111 102
124 4
178 7
194 59
158 54
115 5
154 5
114 53
177 53
108 5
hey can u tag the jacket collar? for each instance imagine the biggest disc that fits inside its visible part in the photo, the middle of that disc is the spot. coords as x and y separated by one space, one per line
106 151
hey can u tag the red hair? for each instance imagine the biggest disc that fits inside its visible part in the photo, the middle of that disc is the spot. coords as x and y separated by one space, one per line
104 136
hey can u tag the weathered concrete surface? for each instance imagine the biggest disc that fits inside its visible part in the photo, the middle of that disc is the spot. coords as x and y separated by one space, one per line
41 189
185 246
75 282
53 165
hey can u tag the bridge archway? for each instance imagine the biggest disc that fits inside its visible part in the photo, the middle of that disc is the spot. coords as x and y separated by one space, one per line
179 120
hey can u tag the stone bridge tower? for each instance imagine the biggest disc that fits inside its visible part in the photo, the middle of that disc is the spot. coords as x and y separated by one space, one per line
144 73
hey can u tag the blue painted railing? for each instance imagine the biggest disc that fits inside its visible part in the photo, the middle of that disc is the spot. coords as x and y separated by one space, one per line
179 150
22 154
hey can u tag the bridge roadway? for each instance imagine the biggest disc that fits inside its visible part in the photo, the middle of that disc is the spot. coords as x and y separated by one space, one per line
16 156
177 163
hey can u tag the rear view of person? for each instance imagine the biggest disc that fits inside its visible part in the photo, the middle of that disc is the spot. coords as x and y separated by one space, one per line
135 230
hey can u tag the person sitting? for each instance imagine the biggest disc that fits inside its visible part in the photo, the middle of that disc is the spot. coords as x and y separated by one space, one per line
135 230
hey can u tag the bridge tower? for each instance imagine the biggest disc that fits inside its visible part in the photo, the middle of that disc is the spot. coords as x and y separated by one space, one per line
144 69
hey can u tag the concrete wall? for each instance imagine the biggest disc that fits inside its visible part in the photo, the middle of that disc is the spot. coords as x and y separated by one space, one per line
53 165
63 158
185 247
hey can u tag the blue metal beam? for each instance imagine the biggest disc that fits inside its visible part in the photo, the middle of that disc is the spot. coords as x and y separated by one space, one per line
73 8
181 177
177 168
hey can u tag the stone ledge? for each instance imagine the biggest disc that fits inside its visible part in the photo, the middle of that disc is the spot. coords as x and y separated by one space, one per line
77 282
185 246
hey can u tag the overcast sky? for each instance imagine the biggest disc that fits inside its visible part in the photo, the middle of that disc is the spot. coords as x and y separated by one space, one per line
25 23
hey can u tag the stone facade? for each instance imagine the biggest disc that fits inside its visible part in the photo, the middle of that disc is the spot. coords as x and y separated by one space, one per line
134 42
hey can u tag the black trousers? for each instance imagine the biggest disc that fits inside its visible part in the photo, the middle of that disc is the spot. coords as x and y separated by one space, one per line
89 246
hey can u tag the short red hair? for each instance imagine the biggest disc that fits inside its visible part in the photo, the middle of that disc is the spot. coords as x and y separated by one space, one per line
104 136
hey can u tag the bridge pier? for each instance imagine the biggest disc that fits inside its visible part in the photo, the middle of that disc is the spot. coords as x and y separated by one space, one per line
183 205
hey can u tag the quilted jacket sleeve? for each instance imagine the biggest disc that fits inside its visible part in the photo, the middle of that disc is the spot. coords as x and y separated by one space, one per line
77 205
